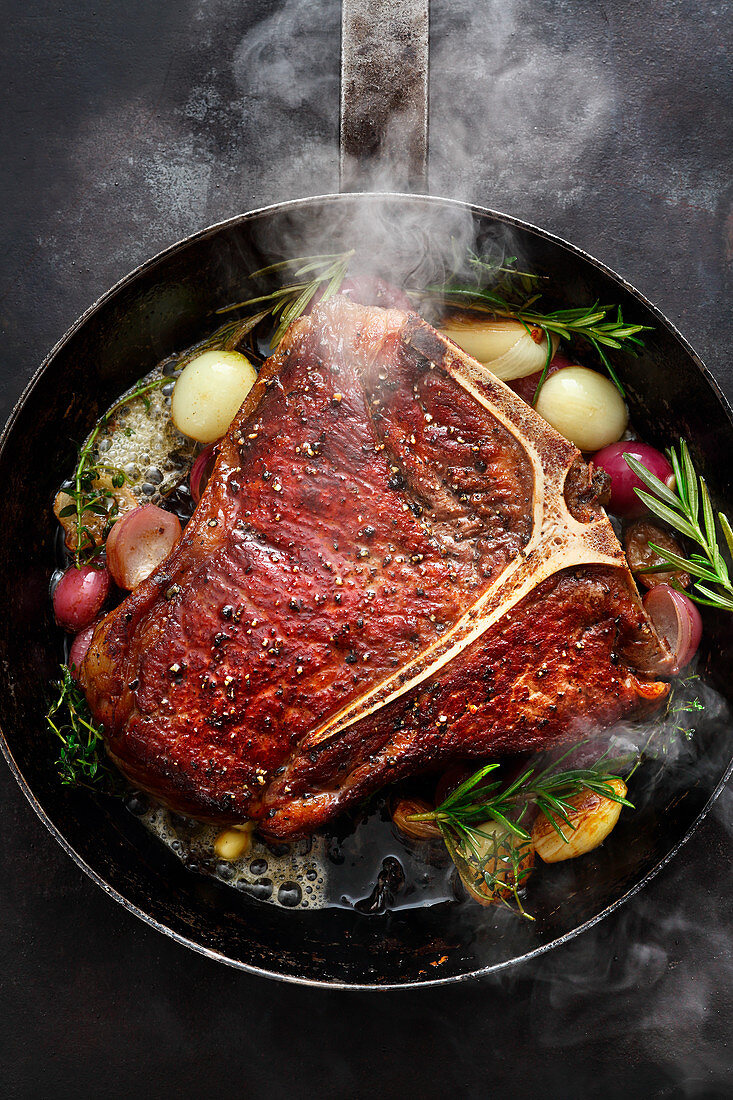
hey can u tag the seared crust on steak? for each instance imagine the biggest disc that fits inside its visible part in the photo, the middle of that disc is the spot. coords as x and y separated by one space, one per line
395 564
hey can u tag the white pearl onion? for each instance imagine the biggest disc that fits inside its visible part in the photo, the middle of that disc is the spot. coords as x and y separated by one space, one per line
584 406
209 393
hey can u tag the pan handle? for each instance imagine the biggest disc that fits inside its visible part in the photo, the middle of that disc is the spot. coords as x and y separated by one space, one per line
384 95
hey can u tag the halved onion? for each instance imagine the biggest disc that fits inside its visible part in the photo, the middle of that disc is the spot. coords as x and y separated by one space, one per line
201 471
677 621
505 347
139 542
79 596
209 393
584 406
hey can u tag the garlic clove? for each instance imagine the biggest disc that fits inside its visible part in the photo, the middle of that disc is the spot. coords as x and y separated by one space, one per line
500 856
592 817
235 842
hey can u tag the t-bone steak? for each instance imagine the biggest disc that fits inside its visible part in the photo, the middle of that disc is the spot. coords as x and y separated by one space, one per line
396 564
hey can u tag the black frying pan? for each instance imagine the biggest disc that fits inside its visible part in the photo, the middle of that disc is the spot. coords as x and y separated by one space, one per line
168 304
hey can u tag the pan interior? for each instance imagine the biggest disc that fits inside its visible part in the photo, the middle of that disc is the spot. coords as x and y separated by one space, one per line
164 307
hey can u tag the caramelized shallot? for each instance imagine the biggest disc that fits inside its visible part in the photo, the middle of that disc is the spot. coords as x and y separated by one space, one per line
677 621
641 556
406 808
139 542
592 818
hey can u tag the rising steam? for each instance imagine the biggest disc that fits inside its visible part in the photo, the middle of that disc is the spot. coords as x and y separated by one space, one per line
516 113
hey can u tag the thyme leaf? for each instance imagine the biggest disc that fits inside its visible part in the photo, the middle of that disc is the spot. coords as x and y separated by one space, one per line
80 761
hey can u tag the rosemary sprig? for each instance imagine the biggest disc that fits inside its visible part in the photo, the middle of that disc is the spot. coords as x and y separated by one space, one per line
496 286
689 510
593 323
479 799
287 303
80 761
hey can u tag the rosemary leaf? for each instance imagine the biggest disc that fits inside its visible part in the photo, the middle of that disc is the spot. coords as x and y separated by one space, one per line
707 512
690 485
686 565
727 531
674 519
711 599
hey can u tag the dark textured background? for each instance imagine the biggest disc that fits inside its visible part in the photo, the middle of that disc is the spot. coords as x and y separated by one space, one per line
126 126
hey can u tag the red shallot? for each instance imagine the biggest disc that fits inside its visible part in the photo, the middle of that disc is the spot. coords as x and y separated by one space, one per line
79 596
201 471
139 542
676 620
79 648
624 501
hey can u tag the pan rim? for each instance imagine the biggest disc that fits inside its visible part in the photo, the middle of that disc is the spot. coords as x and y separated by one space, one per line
210 231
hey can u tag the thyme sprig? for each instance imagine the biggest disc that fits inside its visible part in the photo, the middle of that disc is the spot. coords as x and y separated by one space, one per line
463 813
672 726
89 493
689 510
80 761
310 274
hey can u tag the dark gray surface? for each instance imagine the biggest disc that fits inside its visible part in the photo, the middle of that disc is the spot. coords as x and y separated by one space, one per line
127 126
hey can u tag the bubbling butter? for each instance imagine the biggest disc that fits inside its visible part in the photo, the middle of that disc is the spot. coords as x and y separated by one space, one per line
288 875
